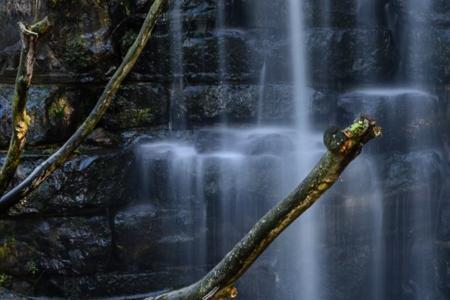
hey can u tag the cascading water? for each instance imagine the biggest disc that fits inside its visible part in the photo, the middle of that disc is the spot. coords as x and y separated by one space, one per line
240 172
221 45
224 112
306 235
176 110
262 85
403 249
325 13
415 41
406 258
230 175
297 49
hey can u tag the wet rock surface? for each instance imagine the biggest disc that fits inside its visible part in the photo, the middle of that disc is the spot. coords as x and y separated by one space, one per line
87 233
351 56
238 103
409 117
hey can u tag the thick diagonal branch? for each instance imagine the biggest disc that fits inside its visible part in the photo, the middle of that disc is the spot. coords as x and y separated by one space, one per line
343 146
63 154
30 36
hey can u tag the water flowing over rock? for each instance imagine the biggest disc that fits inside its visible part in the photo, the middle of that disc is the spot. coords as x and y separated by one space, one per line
221 117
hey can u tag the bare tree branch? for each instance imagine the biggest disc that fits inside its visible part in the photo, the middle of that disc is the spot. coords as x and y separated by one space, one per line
20 120
55 161
343 146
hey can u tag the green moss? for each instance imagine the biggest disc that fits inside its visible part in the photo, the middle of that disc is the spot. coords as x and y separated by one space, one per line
60 111
143 115
8 248
32 267
358 127
5 280
135 117
8 251
77 54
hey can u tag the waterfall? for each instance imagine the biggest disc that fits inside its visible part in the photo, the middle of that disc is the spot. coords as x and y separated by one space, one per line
415 42
401 257
180 191
262 86
325 13
221 27
402 247
176 111
232 174
306 235
234 177
297 36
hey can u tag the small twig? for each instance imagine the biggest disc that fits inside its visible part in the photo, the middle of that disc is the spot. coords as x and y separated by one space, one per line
23 28
211 293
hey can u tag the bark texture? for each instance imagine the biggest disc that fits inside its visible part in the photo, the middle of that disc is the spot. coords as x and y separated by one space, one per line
30 36
56 160
343 146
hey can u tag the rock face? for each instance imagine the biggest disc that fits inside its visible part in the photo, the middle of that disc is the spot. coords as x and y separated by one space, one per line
86 232
408 115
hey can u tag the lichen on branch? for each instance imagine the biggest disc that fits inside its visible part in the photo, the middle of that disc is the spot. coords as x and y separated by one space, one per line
30 36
